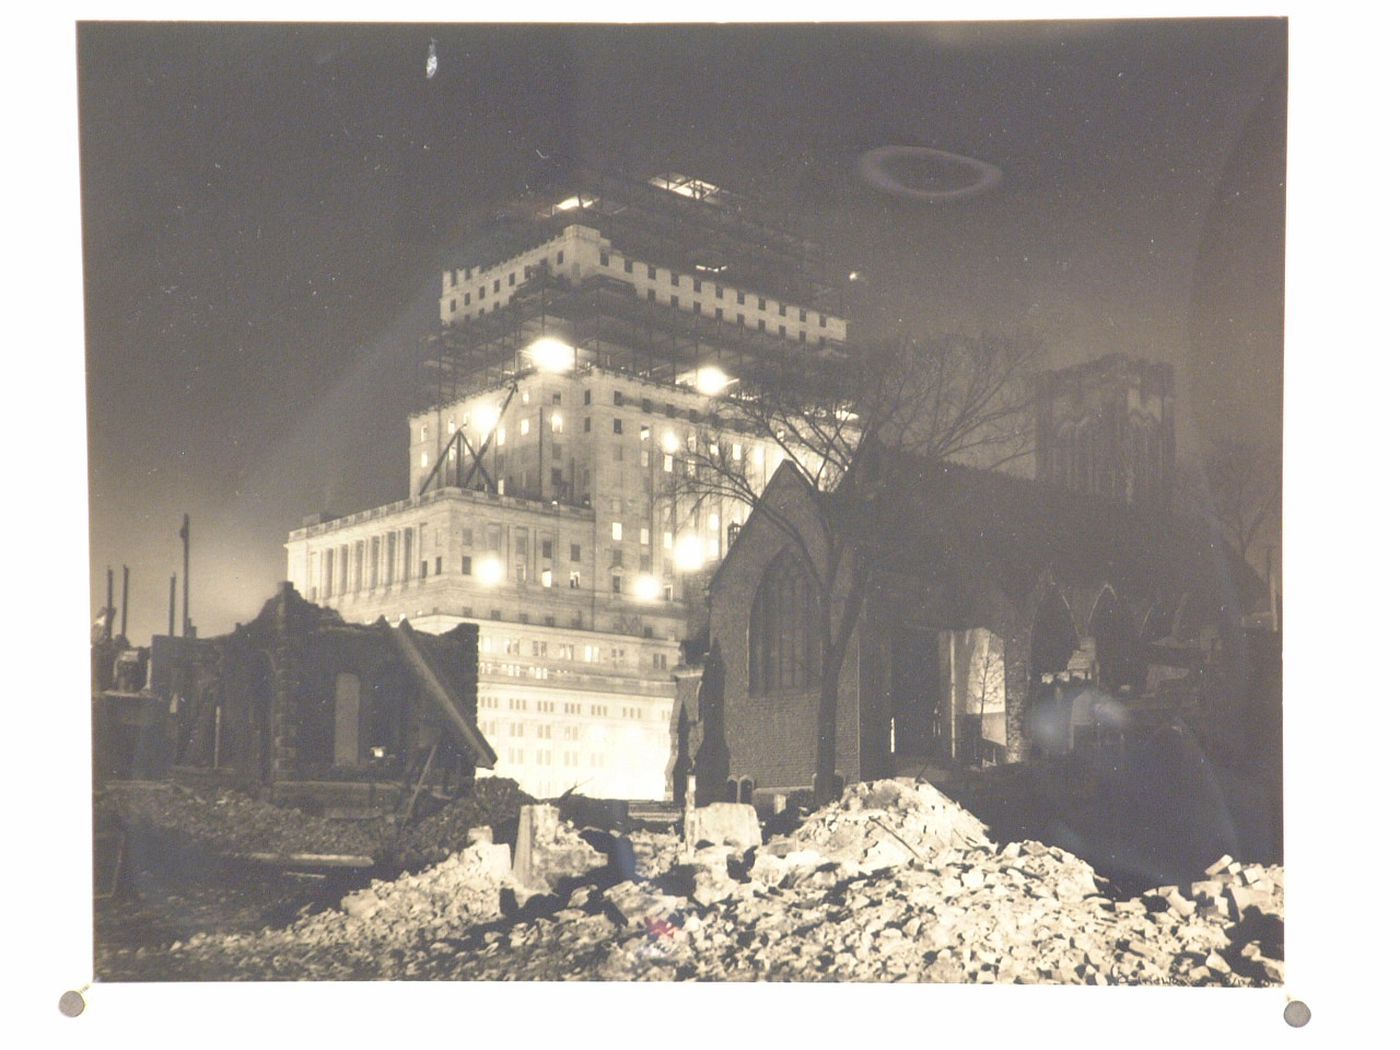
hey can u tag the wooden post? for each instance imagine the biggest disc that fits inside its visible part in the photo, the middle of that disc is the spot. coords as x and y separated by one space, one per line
185 536
418 787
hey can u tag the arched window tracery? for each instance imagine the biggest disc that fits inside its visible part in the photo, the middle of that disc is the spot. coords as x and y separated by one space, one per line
784 651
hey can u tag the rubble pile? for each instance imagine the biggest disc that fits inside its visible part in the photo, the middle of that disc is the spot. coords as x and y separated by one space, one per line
650 853
886 822
386 930
225 821
828 902
494 802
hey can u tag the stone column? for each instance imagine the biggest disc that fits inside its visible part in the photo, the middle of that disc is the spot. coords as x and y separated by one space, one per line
283 719
1016 639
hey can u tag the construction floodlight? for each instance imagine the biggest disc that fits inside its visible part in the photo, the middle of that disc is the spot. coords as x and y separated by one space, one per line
712 381
551 355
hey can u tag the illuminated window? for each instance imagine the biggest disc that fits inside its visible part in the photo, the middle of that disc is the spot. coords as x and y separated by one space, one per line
668 539
646 537
423 459
668 463
525 426
617 530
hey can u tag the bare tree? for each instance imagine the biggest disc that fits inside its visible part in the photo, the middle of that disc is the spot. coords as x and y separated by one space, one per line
1245 481
952 398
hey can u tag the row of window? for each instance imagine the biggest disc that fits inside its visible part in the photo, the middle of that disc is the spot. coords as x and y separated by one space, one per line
697 286
519 756
545 730
589 654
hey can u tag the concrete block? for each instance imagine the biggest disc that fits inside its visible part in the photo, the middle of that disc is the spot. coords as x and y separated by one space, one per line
361 905
547 852
1220 865
493 857
724 823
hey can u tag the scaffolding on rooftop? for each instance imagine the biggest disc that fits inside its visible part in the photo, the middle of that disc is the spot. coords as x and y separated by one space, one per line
610 325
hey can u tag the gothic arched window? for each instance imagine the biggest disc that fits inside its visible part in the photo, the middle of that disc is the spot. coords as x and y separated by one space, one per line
783 649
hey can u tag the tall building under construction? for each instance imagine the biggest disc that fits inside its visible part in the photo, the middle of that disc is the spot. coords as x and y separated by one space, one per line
580 349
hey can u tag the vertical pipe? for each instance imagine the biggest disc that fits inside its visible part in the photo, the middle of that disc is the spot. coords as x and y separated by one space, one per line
126 580
218 726
108 610
172 605
185 535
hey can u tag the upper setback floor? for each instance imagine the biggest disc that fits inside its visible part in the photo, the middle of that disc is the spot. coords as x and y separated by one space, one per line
578 253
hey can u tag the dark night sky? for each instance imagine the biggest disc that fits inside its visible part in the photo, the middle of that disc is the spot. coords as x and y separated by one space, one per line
265 210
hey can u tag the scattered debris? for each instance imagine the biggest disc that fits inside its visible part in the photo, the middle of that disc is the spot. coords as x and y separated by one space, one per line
229 823
894 882
493 802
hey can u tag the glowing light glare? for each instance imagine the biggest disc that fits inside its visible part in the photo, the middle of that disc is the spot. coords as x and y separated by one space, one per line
669 442
484 418
711 381
551 355
690 553
647 588
571 203
491 571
